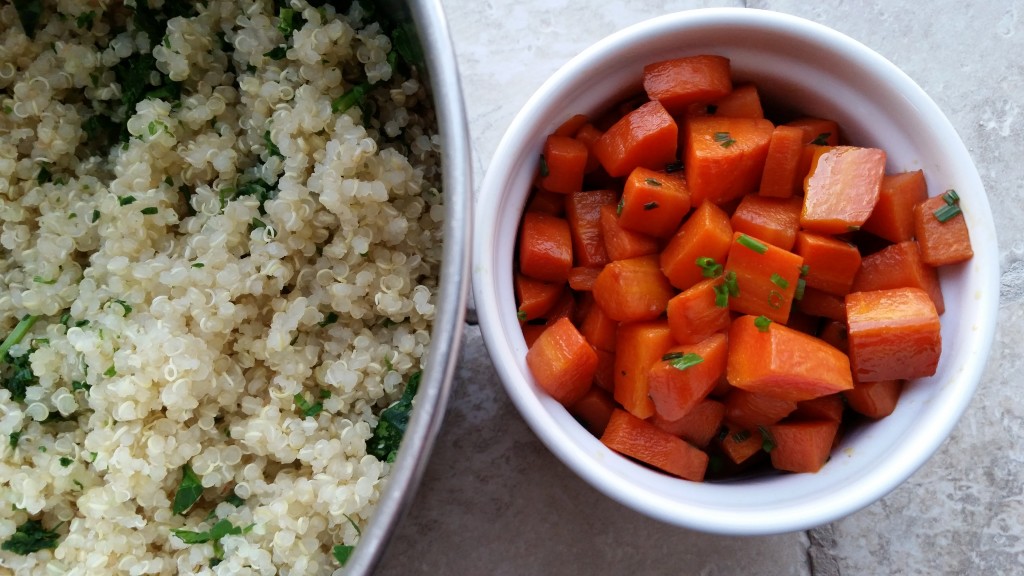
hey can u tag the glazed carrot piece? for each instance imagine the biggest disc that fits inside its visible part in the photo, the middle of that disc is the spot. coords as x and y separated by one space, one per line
766 277
699 426
748 410
740 444
564 159
633 289
647 136
783 362
893 334
564 307
583 212
819 303
774 220
604 377
588 134
562 362
874 399
599 329
831 264
942 242
582 278
653 202
545 247
724 157
638 347
546 202
535 297
808 154
899 266
802 446
693 314
743 102
639 439
570 127
842 188
893 216
679 82
833 332
622 244
828 407
707 233
781 177
685 375
531 332
817 131
593 410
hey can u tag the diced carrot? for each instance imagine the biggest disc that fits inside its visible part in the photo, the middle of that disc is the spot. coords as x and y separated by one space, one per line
535 297
739 444
828 407
545 247
653 203
582 278
647 136
774 220
781 177
899 266
831 264
766 277
633 289
604 377
874 399
589 134
599 329
808 154
748 410
571 126
531 332
707 233
802 321
638 346
941 243
834 332
817 131
622 244
893 334
893 216
842 188
564 307
742 102
802 446
639 439
546 202
562 362
593 410
724 157
699 426
583 212
679 82
563 163
676 384
783 362
693 315
818 303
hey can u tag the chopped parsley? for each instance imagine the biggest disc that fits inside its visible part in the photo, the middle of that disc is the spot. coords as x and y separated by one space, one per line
342 552
31 537
277 53
29 12
308 410
394 419
330 318
189 490
150 210
822 139
354 97
222 528
724 139
125 200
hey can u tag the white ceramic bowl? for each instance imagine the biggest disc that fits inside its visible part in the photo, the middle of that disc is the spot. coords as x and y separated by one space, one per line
821 72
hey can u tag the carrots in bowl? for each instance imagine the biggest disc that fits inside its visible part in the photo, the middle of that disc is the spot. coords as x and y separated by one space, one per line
713 290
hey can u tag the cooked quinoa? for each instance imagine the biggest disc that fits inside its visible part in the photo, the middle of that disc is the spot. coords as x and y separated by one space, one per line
220 224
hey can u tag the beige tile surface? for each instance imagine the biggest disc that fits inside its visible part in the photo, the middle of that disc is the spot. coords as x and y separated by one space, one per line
495 501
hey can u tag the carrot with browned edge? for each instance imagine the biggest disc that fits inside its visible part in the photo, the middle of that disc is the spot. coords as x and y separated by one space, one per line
647 136
639 439
562 362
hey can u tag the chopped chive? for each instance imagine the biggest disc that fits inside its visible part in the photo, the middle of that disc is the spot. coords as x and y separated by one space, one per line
775 299
650 205
951 197
762 323
741 436
150 210
731 285
801 285
65 461
673 167
110 372
721 296
947 212
16 335
755 245
306 408
125 200
686 360
95 216
652 182
822 139
724 139
672 356
544 170
41 280
198 264
779 281
709 268
521 316
804 270
767 442
331 318
349 99
618 209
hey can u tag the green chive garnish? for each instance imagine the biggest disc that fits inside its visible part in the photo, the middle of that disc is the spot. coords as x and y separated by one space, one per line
755 245
762 323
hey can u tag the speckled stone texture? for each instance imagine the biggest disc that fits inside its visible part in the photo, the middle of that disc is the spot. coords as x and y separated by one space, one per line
495 501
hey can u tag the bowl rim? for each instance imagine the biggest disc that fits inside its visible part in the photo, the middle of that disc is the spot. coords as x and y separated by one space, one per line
496 323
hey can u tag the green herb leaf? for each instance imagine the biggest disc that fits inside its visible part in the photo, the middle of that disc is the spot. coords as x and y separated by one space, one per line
65 461
126 308
755 245
354 97
822 139
95 216
709 268
620 206
44 175
724 139
29 12
289 21
731 284
41 280
110 372
767 442
13 438
189 490
673 167
85 20
951 197
19 332
650 205
775 299
150 210
277 53
544 170
652 182
79 385
762 323
307 409
686 361
198 265
387 436
330 318
31 537
779 281
801 286
125 200
342 553
522 316
272 148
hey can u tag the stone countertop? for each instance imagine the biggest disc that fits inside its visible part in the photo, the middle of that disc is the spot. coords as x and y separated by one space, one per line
495 501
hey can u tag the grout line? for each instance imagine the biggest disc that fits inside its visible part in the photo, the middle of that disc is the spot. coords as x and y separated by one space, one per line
819 552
